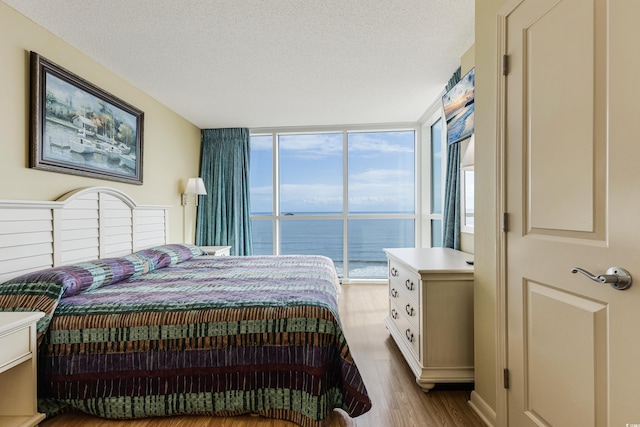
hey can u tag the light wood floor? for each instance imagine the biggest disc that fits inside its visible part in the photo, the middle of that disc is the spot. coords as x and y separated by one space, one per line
397 400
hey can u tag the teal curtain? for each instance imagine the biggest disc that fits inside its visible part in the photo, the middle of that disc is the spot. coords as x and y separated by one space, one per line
451 212
224 214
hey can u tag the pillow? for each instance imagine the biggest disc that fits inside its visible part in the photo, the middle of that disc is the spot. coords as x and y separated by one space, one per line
178 252
39 291
93 274
147 260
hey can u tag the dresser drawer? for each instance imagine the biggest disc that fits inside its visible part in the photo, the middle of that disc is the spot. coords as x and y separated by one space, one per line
405 329
406 306
403 280
14 345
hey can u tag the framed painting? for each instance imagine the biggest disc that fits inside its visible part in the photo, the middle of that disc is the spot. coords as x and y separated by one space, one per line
78 128
459 108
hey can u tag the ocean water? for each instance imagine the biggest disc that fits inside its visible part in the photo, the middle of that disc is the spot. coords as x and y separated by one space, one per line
366 239
462 124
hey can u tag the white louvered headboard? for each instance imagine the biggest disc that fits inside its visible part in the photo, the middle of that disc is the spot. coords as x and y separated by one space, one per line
84 224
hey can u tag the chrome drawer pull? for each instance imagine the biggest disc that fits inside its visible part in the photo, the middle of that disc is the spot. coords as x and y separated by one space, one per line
394 313
409 284
394 293
409 310
394 272
409 335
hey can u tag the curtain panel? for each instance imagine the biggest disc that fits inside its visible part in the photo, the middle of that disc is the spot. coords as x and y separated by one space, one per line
224 216
451 212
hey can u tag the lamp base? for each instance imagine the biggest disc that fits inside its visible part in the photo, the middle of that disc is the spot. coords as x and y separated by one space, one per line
185 199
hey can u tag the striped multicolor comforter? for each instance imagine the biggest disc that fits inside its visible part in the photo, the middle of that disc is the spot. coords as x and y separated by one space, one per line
204 335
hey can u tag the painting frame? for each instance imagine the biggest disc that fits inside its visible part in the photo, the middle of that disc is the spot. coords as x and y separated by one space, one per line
79 129
459 108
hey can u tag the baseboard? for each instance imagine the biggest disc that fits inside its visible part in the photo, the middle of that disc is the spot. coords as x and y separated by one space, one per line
484 411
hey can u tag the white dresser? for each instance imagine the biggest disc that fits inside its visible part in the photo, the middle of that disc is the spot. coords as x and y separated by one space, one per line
18 406
431 313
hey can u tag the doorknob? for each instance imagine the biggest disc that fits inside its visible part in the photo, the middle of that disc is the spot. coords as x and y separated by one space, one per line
617 277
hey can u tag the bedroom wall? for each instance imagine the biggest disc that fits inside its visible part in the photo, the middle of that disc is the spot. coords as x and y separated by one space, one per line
171 143
486 223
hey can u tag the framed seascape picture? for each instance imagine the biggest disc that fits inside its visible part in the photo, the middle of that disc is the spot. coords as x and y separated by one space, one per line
458 105
77 128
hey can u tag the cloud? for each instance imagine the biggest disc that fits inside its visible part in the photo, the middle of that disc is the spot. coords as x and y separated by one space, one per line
372 176
381 197
387 188
310 198
373 144
390 196
322 145
261 142
314 146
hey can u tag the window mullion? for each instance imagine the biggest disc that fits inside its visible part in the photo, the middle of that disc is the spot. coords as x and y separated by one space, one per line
276 193
417 189
345 203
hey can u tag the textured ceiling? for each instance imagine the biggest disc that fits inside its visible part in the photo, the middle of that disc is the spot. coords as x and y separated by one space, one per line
264 63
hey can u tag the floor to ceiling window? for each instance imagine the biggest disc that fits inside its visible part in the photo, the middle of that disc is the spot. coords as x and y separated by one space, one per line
343 194
436 204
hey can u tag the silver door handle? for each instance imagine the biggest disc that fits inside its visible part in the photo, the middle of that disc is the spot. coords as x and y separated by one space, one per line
617 277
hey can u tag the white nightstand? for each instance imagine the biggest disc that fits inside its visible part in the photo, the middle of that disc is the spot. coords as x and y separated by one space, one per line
18 348
217 250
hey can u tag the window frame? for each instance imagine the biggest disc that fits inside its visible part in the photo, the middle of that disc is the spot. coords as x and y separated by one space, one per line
464 226
433 115
277 217
464 188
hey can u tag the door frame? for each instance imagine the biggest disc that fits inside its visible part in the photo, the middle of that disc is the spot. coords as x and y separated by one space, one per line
502 398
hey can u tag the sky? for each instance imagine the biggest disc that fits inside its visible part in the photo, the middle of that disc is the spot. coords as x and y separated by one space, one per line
381 172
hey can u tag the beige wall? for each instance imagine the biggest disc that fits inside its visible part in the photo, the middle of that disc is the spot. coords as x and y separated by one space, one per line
171 143
486 222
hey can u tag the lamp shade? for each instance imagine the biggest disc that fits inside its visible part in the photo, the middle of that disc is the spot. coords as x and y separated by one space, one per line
468 158
195 186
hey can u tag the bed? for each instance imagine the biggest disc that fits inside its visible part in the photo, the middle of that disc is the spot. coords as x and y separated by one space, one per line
157 329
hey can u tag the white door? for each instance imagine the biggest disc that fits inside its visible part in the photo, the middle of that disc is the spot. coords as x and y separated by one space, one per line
572 193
